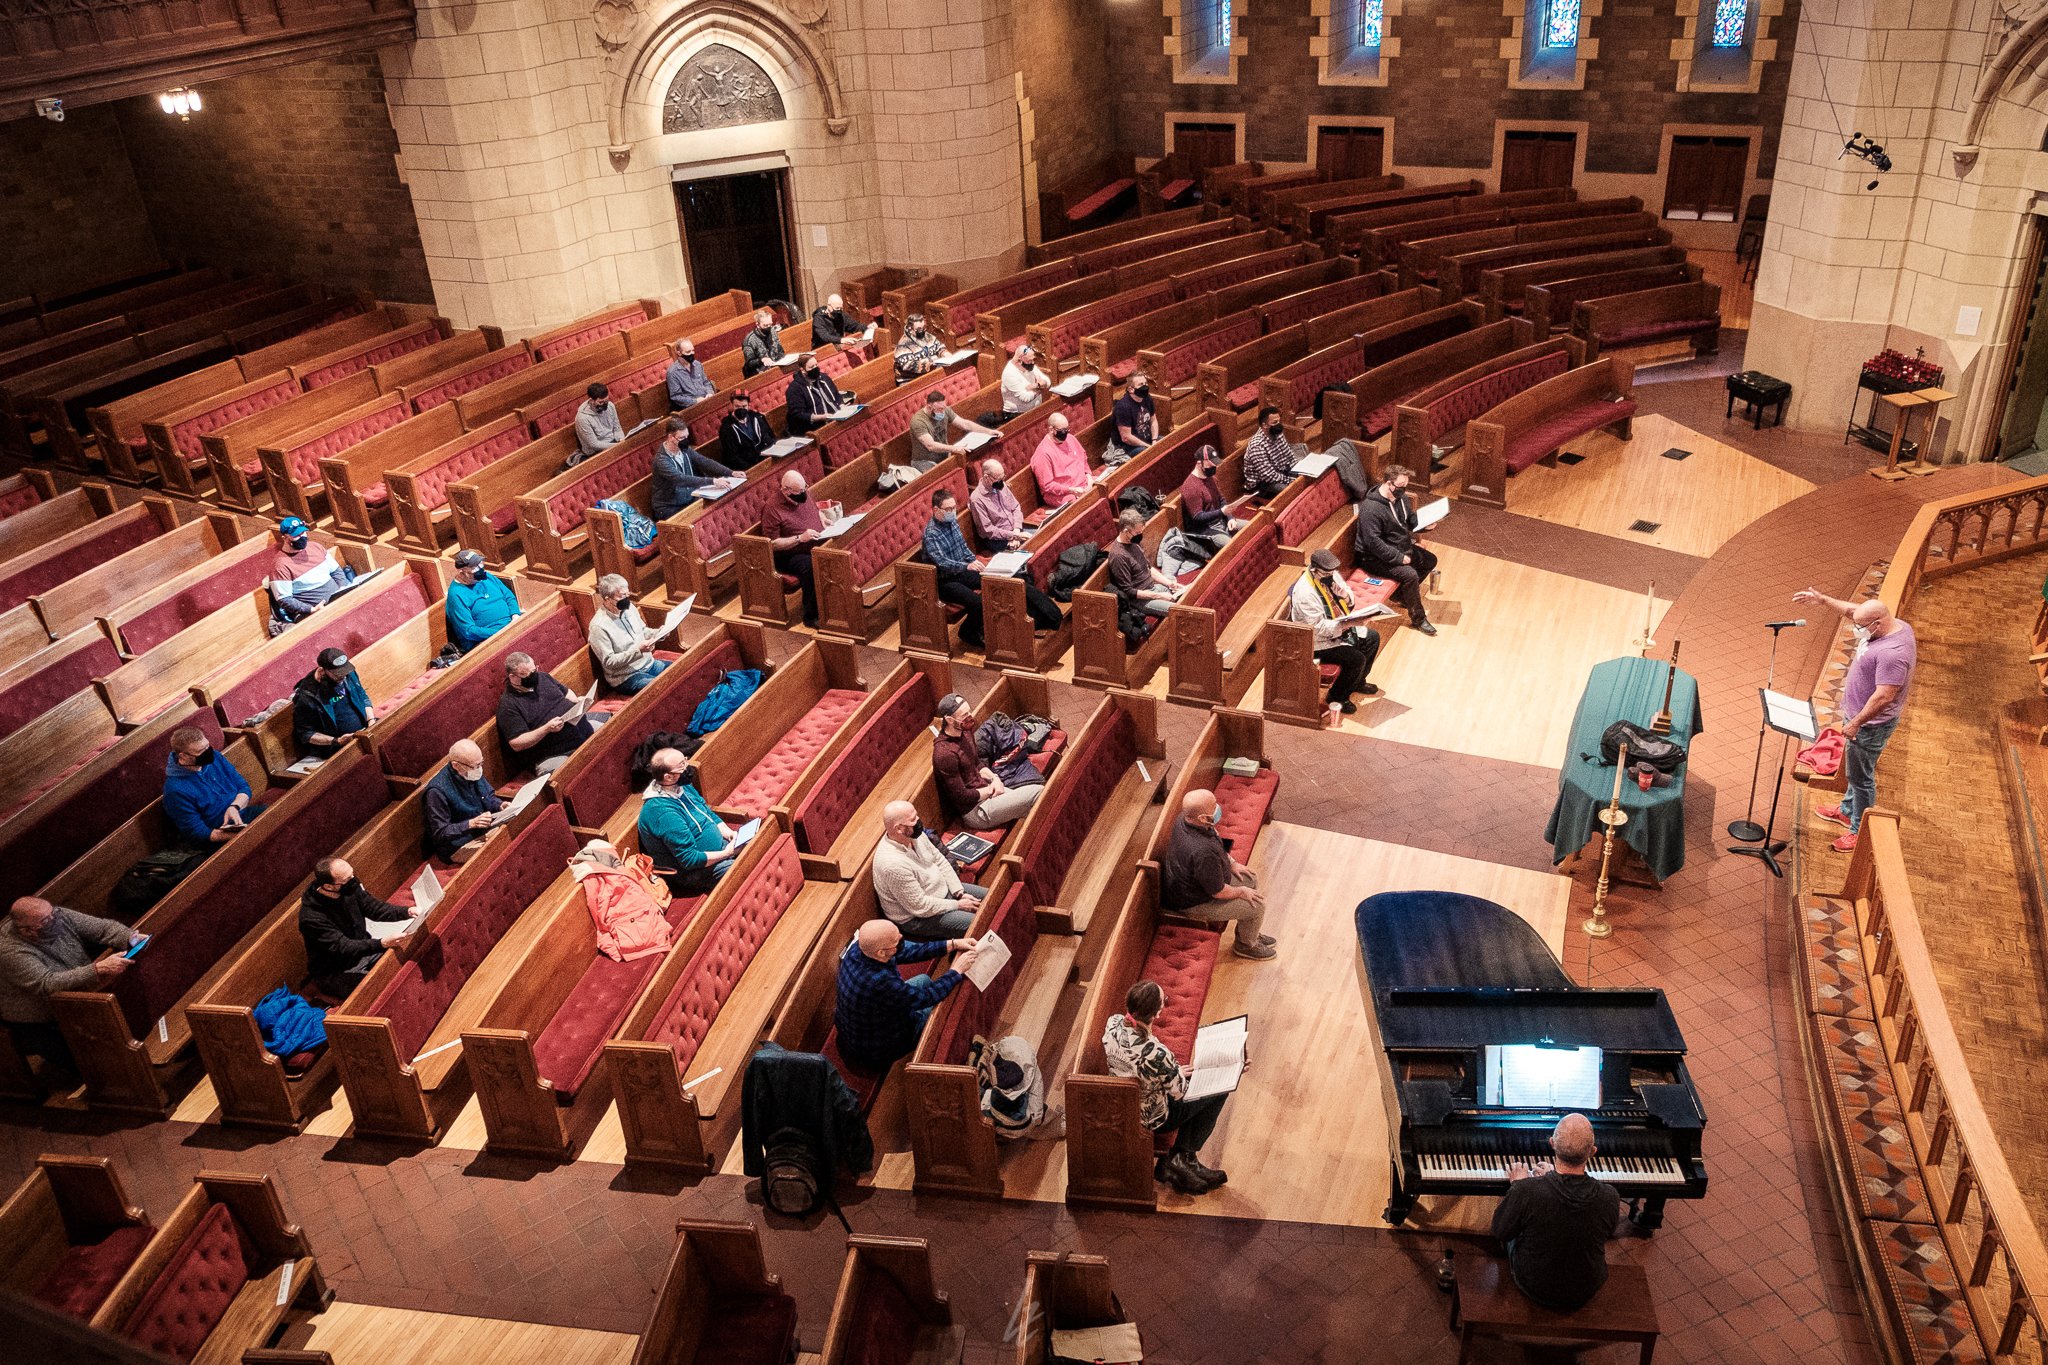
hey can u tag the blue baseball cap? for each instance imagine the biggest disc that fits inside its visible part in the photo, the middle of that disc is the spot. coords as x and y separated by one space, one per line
293 527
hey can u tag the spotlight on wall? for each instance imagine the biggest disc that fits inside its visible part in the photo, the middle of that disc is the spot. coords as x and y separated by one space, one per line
180 101
1863 149
51 109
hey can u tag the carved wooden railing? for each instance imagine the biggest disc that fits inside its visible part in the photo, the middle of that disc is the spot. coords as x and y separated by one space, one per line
1990 1236
1963 532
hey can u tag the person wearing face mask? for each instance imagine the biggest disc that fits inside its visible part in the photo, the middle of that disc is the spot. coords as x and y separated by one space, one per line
329 706
621 641
681 472
744 433
1199 879
334 918
969 790
946 549
793 525
206 798
1269 457
1025 382
998 516
687 382
761 347
917 350
597 423
478 605
45 949
1130 1049
691 847
812 397
1320 599
533 717
832 325
935 431
1060 464
1203 514
1135 418
305 573
920 891
459 804
1873 694
1385 547
1138 585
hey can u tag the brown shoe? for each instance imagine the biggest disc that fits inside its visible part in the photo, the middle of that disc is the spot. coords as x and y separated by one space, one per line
1256 951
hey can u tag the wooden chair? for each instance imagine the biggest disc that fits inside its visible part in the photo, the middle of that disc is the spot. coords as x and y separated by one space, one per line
717 1303
1486 1303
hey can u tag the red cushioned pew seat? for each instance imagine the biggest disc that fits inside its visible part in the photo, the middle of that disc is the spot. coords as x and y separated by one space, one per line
80 1281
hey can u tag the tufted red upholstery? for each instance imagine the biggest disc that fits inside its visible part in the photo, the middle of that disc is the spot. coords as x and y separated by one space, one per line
1182 361
1021 434
752 1329
148 629
374 494
243 403
304 460
44 688
1380 420
726 338
1166 474
181 1306
961 312
1099 200
420 993
1529 446
460 705
594 787
890 417
727 950
1181 959
55 774
1066 338
761 788
965 1014
595 329
880 541
607 479
82 1277
1367 590
358 621
1068 810
33 852
19 499
506 360
1467 401
884 1326
1310 508
1248 566
1246 802
1339 365
568 1048
1244 395
94 550
413 338
200 931
1286 312
1640 333
1230 272
430 486
897 724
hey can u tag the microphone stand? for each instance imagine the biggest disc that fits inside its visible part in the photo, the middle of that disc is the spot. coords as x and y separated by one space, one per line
1747 830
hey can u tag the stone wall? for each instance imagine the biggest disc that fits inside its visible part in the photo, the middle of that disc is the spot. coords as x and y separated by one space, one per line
290 172
70 212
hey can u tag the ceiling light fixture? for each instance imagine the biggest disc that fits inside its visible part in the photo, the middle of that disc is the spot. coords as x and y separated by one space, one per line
180 101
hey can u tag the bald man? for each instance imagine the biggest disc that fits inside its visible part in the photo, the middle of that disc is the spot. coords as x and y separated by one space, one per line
335 914
44 949
1872 696
1198 877
878 1014
915 882
793 525
1059 465
832 324
460 804
1555 1221
679 830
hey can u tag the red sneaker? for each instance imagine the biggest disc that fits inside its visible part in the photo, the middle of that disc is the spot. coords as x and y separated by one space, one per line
1834 813
1845 844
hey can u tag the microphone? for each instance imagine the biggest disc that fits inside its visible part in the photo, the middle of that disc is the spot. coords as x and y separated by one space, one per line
1781 625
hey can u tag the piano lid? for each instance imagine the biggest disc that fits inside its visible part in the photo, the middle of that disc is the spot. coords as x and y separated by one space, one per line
1453 971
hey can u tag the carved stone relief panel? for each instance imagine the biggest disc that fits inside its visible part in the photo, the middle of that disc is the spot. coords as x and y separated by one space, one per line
719 87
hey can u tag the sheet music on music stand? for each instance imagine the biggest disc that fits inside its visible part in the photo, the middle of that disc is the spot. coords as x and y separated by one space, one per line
1790 715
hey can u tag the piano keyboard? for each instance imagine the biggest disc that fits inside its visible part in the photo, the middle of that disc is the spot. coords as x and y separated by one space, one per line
1492 1168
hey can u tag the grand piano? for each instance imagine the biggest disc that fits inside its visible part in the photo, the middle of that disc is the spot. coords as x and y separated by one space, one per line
1450 979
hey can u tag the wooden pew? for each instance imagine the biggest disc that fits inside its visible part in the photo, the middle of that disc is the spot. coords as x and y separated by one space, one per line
696 545
1505 289
1157 243
440 357
130 576
660 334
1295 683
1647 316
1001 329
1232 382
61 316
1196 263
356 478
1458 276
1535 423
1363 337
1380 235
117 426
1421 260
899 301
484 505
1289 209
61 558
1235 269
636 375
1426 419
717 1274
1219 183
29 488
887 1307
1368 410
69 1233
128 1040
1111 234
291 463
1549 306
1313 214
952 317
554 530
357 356
31 528
853 571
1214 635
416 485
1103 190
593 327
1057 338
525 385
176 438
306 344
446 385
1248 196
232 449
1061 1292
768 391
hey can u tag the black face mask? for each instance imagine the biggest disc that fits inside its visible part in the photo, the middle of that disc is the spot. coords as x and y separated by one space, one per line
296 545
996 484
206 758
1273 429
1142 389
1059 436
799 499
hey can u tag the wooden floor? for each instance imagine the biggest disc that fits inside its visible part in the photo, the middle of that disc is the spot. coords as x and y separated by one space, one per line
357 1334
1698 503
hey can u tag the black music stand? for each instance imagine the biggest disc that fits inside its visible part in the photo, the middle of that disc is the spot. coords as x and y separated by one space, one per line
1747 830
1792 718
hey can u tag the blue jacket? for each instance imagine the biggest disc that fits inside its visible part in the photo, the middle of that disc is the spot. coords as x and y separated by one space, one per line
291 1024
679 832
479 610
195 798
451 804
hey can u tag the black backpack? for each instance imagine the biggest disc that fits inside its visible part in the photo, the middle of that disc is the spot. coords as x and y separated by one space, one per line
1072 568
1144 499
1646 748
790 1181
150 880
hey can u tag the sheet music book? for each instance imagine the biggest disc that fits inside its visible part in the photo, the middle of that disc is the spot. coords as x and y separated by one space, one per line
842 526
579 707
426 891
384 930
305 765
1116 1344
1315 466
675 616
788 445
1365 614
848 410
712 492
639 427
1531 1076
975 440
1218 1062
1790 715
787 360
347 588
990 955
953 357
1007 563
1037 518
521 799
1430 513
1073 386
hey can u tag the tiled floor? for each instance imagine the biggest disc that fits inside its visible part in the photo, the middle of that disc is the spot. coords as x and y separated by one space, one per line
1754 1273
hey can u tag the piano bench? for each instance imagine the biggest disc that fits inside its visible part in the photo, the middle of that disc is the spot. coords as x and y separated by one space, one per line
1487 1303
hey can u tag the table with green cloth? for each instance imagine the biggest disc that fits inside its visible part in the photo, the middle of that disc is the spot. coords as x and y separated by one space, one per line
1633 690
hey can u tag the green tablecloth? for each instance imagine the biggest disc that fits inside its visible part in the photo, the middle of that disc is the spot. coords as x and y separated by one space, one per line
1624 689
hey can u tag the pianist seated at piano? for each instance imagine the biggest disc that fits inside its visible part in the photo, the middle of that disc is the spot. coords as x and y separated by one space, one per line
1555 1220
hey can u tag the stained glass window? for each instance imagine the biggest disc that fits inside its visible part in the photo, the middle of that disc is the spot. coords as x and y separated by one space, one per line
1223 26
1561 24
1371 18
1731 22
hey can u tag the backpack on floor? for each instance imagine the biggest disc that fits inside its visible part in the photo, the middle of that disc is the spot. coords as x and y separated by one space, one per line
790 1181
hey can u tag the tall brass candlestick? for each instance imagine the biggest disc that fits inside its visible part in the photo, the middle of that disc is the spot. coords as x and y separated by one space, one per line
1614 817
1647 641
1662 723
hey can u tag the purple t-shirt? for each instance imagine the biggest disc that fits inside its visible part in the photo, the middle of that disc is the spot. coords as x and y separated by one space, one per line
1884 661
